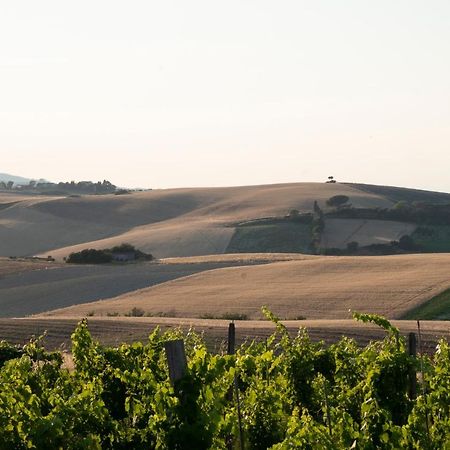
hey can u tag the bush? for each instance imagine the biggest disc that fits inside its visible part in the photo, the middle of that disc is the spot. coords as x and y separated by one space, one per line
123 248
93 256
337 201
226 316
89 256
136 312
234 316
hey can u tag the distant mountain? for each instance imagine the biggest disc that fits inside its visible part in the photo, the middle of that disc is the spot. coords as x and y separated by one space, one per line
16 179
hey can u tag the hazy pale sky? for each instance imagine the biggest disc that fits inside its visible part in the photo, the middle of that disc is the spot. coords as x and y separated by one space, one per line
207 93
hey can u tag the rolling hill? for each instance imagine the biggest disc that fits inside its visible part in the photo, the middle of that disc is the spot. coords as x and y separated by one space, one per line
172 222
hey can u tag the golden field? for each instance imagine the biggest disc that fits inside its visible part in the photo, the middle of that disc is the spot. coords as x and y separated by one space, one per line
315 287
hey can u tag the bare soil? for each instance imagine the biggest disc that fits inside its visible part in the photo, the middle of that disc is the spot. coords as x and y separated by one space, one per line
114 331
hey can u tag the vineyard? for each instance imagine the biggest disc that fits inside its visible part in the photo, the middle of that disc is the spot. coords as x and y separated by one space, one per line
282 393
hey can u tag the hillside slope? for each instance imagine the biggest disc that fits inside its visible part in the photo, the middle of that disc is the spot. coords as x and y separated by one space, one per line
172 222
30 286
399 194
315 287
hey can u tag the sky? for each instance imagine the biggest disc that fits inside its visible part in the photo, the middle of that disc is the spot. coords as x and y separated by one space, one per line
179 93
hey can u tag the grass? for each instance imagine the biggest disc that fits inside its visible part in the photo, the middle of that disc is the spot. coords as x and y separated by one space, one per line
433 238
273 238
438 308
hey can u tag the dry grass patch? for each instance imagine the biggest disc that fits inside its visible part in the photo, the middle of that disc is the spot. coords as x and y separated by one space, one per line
247 258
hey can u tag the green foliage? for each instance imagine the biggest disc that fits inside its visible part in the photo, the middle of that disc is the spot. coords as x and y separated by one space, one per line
8 351
123 248
293 394
283 236
107 255
432 238
381 322
437 308
89 256
424 214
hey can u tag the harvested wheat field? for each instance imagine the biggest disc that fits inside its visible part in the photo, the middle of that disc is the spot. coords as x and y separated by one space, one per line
30 287
315 288
171 222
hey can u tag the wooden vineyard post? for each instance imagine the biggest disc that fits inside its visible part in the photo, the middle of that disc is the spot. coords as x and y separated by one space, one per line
412 350
424 390
230 351
176 359
231 338
235 388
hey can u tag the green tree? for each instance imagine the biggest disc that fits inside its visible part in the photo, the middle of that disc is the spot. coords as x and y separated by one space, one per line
337 201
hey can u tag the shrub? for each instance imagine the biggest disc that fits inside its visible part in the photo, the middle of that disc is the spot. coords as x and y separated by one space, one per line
93 256
123 248
226 316
234 316
136 312
89 256
337 201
